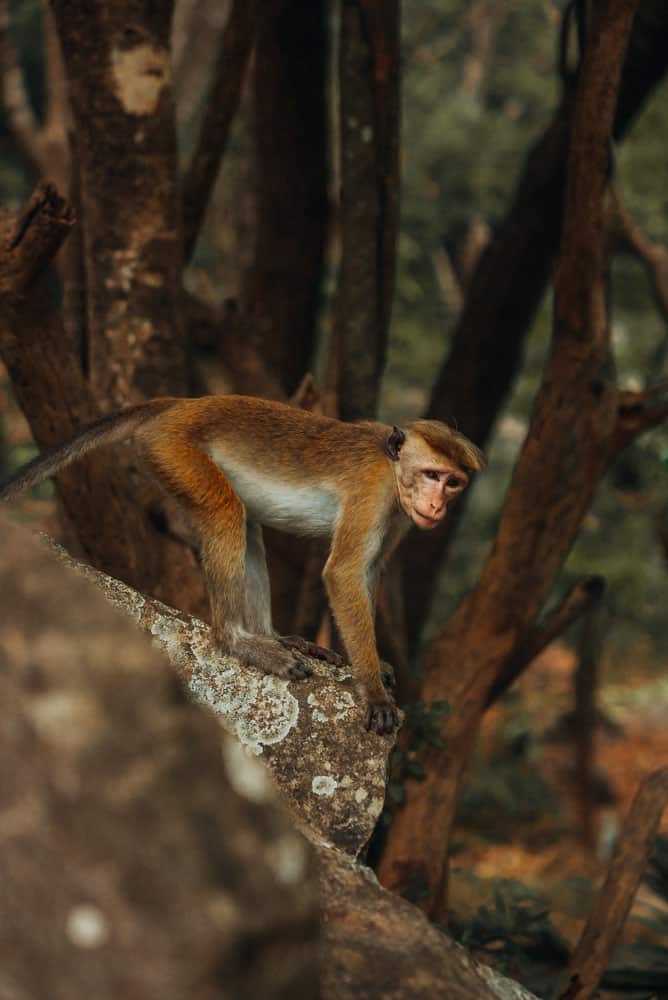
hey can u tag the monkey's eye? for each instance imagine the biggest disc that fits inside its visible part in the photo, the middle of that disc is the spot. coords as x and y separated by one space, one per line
432 474
453 482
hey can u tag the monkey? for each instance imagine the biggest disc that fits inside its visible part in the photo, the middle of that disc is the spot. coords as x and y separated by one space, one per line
236 463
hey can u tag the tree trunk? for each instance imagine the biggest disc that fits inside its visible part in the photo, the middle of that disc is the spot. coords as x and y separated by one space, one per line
507 288
571 439
369 176
282 288
117 62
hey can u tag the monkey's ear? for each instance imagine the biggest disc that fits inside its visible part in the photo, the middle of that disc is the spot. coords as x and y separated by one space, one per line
394 443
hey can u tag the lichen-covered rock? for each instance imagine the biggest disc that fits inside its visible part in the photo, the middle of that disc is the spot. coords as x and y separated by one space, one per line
310 733
136 860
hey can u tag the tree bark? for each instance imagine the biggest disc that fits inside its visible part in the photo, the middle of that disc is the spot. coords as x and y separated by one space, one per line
112 530
570 441
282 287
117 62
369 176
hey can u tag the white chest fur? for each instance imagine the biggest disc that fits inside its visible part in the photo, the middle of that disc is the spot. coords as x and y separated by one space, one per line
304 510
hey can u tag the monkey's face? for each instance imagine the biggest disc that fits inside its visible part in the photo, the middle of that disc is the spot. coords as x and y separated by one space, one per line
427 482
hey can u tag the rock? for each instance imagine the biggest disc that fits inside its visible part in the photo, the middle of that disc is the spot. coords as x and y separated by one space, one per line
377 946
310 733
136 859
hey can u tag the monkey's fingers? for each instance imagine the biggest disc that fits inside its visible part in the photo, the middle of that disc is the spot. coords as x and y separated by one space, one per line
300 670
382 718
295 642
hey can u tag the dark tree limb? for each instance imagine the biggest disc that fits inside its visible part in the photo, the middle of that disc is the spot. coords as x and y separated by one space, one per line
18 109
33 239
639 412
281 289
577 602
56 400
561 463
369 172
508 286
613 903
45 147
228 77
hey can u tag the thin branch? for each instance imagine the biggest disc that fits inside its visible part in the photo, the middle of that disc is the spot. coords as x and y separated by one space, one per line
578 601
653 255
57 102
608 916
235 49
639 412
36 236
18 109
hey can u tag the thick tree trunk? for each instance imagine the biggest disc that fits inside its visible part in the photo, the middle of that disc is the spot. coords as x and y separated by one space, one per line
571 439
282 288
117 62
369 175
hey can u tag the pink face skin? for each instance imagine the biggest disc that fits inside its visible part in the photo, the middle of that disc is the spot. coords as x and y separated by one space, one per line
427 482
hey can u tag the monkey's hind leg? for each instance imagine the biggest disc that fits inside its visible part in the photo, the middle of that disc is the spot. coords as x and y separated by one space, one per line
308 648
257 610
238 590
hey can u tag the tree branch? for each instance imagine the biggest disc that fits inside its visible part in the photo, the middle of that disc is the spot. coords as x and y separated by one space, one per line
608 915
235 49
36 235
638 412
18 109
577 602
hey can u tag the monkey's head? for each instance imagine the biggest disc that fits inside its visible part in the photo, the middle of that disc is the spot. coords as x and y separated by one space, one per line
433 466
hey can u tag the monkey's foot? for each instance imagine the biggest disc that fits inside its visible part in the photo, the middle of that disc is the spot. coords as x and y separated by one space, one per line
382 717
299 645
272 657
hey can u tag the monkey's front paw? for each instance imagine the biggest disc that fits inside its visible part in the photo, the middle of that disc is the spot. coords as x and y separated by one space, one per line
308 648
382 717
299 670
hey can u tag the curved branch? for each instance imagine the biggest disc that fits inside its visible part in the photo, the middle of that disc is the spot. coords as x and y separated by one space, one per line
639 412
577 602
608 916
235 49
18 109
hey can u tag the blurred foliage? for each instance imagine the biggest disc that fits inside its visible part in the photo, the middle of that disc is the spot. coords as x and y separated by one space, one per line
641 969
516 935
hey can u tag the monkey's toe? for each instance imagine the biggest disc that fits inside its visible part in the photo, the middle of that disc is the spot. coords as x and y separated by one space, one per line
295 642
382 718
299 670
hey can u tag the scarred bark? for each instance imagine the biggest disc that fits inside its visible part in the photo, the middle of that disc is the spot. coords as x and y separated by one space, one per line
117 63
53 394
571 439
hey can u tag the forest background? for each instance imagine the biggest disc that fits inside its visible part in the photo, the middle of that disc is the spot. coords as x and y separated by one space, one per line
481 85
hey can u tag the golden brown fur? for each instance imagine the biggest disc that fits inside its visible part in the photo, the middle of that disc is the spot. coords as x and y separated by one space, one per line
236 463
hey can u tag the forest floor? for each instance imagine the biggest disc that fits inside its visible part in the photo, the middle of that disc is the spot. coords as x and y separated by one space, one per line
522 819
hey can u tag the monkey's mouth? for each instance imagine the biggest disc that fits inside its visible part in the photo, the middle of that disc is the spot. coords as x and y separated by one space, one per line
425 521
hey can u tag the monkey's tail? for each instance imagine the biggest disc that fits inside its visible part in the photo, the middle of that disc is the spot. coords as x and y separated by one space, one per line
106 430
